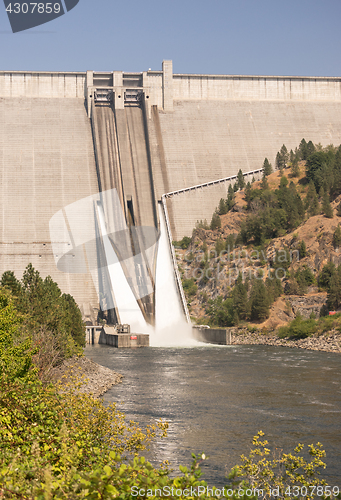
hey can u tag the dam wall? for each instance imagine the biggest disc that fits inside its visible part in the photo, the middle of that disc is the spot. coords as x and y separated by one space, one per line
46 162
194 129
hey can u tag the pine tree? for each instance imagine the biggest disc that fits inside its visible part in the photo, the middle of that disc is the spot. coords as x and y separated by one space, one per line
284 155
267 168
253 180
230 190
264 184
337 237
215 222
327 208
295 168
241 180
303 150
8 280
334 291
247 193
235 187
259 302
338 210
222 209
302 250
240 299
279 164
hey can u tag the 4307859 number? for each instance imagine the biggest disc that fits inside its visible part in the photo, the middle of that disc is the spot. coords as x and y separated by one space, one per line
33 8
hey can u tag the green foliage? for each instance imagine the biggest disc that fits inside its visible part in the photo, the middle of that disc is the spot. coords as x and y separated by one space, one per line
299 328
260 304
327 208
267 168
302 250
15 358
295 168
200 225
337 237
184 243
219 246
215 222
189 286
223 207
334 290
284 472
271 213
240 179
42 306
220 312
325 275
282 158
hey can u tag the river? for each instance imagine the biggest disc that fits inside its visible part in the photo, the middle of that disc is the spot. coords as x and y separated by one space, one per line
216 398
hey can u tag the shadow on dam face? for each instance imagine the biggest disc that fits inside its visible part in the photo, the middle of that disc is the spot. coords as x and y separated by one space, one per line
91 235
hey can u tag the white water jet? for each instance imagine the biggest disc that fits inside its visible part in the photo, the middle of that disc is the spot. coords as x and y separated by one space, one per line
126 304
171 327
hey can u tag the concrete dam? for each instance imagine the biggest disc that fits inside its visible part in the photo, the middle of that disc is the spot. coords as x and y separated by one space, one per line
94 163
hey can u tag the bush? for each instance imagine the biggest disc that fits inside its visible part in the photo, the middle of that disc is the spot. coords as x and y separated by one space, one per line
299 328
184 243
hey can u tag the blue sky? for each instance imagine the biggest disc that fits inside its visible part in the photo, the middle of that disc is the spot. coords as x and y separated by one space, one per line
255 37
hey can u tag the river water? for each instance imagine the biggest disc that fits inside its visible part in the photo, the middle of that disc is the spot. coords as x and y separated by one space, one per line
216 398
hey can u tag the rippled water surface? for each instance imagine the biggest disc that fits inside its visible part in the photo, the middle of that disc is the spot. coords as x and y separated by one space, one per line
217 398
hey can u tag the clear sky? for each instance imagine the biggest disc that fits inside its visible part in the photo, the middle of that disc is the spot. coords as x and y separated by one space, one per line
255 37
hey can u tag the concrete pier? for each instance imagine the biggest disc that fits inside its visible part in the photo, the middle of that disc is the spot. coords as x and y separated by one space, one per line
109 336
219 336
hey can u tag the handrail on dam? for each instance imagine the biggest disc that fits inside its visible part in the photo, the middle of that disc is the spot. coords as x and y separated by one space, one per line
164 197
211 183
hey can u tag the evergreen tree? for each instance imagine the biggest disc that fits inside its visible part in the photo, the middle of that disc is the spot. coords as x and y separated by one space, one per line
279 163
253 180
222 209
259 301
291 156
241 180
239 296
215 222
338 210
311 201
302 250
310 148
337 237
267 168
235 187
264 184
8 280
295 168
230 191
334 291
303 150
327 208
247 193
284 155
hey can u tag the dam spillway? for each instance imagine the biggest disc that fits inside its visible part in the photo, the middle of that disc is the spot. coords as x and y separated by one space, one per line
68 136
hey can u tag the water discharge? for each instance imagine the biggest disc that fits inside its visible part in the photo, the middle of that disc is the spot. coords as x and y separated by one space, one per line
171 327
126 304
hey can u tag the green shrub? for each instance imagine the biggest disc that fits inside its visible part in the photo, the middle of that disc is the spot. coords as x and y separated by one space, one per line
299 328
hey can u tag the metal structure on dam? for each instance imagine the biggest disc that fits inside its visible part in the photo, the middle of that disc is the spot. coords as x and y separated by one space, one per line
150 137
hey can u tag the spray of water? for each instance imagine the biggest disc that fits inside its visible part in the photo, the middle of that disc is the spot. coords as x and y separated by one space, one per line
126 304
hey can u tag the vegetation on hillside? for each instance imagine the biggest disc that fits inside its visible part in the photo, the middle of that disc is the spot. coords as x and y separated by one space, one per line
309 180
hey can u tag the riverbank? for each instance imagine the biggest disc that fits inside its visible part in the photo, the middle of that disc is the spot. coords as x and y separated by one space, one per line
94 378
328 342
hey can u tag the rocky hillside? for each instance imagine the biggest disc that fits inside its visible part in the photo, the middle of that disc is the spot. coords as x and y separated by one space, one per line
214 258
